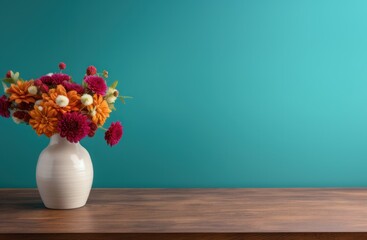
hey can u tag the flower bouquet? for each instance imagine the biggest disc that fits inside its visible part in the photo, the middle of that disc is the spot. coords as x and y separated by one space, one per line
55 104
65 111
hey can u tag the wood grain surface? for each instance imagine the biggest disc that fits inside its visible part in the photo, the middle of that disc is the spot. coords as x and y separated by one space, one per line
190 214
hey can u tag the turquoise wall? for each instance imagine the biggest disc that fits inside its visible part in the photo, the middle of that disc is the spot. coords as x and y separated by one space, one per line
237 93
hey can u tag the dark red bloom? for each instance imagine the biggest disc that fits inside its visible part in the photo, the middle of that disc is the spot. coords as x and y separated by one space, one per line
25 106
4 107
73 86
55 79
74 126
46 80
27 117
114 133
93 128
8 74
62 66
91 70
58 78
22 116
19 114
96 84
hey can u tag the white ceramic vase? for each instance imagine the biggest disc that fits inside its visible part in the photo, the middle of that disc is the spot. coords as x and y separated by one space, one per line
64 174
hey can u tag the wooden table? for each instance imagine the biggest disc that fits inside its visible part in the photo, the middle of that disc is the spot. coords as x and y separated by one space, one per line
190 214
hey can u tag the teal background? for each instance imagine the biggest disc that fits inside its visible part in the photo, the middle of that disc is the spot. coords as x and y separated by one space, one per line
237 93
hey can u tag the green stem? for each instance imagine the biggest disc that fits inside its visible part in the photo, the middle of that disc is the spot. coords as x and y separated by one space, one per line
102 128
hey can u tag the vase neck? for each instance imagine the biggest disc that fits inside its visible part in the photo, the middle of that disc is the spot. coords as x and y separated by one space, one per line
57 139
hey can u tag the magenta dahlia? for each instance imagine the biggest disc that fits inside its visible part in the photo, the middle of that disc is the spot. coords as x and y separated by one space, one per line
4 107
96 84
74 126
73 86
114 133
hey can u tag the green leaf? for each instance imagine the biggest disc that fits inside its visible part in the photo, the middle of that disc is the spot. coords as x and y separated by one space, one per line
5 86
8 80
114 84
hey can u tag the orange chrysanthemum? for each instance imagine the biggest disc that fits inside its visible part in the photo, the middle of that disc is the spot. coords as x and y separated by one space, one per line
44 120
99 110
19 92
50 99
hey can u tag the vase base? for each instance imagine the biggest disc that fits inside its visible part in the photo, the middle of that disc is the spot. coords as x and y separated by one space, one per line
63 208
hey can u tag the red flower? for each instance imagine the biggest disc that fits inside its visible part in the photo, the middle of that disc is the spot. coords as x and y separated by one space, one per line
114 133
44 88
62 66
93 128
91 70
69 86
38 82
74 126
46 80
54 79
4 107
8 74
96 84
27 117
58 78
22 116
19 114
25 106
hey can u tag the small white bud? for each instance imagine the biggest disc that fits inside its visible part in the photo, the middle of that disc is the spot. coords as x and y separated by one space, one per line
38 102
14 76
40 108
32 90
111 99
62 101
86 99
